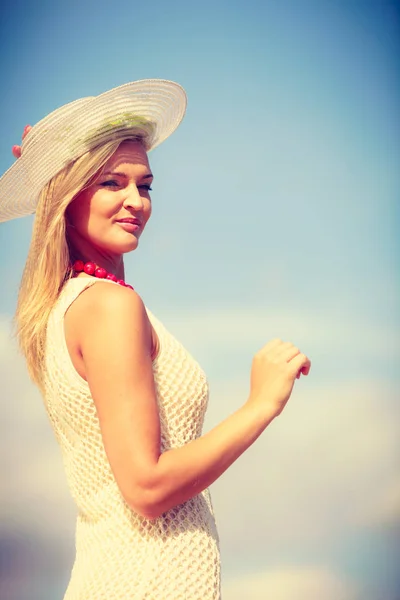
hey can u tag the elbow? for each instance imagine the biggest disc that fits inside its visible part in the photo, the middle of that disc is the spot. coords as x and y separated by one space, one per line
147 509
146 502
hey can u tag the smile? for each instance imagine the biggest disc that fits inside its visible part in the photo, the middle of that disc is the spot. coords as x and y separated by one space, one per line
129 226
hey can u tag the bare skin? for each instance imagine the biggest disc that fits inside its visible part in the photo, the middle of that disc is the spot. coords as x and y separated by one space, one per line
16 150
116 361
122 191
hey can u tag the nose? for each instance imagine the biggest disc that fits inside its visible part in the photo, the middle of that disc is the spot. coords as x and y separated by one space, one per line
133 198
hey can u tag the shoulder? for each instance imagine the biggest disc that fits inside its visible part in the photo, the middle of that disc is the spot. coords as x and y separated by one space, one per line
107 306
110 298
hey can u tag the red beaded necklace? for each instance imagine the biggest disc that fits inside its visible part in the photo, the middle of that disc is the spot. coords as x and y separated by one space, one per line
90 268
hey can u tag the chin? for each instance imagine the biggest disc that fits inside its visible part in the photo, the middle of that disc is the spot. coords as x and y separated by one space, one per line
125 248
131 245
120 244
120 248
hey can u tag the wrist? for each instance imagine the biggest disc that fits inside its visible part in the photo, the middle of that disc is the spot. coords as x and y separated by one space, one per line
260 412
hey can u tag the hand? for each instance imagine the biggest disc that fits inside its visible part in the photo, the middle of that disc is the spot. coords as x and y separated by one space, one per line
16 150
274 369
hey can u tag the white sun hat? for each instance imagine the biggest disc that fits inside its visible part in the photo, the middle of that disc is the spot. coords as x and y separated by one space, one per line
153 106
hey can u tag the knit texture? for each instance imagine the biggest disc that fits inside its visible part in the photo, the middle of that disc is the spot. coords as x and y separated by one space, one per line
119 554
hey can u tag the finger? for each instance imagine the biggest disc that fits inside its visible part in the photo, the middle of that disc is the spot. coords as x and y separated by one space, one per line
27 129
272 345
299 364
16 150
305 370
286 352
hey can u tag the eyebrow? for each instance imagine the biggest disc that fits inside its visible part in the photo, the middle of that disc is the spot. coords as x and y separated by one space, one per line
121 174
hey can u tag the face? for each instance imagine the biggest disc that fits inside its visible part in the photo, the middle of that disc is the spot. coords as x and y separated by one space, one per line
107 218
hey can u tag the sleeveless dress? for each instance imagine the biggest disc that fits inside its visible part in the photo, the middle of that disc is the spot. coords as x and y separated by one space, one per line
119 554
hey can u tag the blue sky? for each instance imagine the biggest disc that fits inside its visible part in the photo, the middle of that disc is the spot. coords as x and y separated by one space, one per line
275 213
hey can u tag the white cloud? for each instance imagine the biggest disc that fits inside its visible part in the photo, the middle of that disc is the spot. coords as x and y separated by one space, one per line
303 484
291 583
382 505
33 491
332 451
334 338
5 339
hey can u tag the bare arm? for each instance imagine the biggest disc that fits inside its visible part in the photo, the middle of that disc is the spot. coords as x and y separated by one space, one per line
184 472
115 342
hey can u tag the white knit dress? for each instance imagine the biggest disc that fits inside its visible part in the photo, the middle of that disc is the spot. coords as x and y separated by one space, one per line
119 554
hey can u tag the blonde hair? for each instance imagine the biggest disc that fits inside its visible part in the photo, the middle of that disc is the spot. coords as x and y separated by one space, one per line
48 263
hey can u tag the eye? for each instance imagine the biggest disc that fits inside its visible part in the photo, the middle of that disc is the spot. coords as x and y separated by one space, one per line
145 186
110 183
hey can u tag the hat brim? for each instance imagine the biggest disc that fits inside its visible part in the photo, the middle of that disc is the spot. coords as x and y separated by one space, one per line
68 132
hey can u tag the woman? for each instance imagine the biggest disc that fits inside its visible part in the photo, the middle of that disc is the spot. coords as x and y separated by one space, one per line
125 399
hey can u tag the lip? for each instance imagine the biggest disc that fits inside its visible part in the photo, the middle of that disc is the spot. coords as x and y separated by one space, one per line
129 225
133 220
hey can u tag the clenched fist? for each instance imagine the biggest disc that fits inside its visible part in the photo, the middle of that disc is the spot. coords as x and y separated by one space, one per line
274 370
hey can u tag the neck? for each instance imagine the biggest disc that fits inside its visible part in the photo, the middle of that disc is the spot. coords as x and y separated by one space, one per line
110 262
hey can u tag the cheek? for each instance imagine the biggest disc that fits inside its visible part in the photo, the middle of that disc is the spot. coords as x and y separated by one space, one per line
150 210
79 210
91 209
